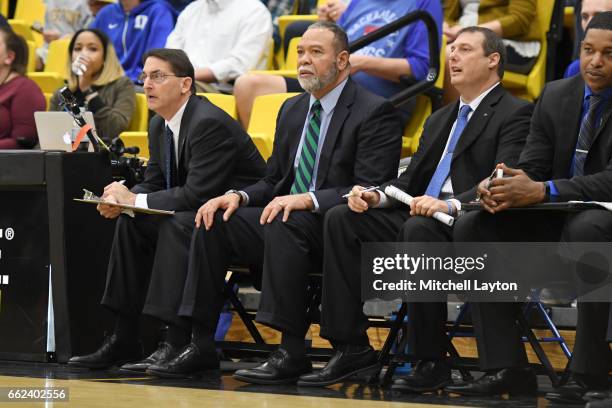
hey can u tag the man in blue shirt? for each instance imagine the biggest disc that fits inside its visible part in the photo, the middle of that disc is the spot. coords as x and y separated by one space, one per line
134 27
567 156
377 67
588 10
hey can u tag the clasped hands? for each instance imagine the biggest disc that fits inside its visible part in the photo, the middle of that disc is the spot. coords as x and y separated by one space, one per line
230 203
425 206
115 193
515 189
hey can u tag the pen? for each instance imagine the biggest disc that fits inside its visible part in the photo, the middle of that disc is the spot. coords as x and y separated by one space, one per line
365 190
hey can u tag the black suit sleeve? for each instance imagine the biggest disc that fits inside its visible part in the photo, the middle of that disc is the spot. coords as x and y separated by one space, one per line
212 154
537 157
512 136
593 187
377 154
260 193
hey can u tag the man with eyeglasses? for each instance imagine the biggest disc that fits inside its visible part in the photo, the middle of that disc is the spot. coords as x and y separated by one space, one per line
197 152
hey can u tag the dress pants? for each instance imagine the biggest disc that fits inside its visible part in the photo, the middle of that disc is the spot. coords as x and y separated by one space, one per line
148 266
499 338
286 252
342 317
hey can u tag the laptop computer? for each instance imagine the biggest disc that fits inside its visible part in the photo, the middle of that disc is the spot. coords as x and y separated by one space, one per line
57 130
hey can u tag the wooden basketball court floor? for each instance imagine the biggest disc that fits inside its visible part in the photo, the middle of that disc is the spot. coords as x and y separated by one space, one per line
110 388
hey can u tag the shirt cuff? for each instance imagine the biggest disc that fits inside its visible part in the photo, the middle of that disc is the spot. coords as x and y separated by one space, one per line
383 201
141 201
314 200
554 193
245 198
457 204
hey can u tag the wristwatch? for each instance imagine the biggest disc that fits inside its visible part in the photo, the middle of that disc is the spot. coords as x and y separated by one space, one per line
235 192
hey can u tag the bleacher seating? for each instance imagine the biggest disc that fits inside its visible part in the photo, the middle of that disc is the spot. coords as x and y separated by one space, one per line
225 102
27 13
263 121
54 73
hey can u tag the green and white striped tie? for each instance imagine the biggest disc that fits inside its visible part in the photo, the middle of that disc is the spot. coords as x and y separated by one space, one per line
305 168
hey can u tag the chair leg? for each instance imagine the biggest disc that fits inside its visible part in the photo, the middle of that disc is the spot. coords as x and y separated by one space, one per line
452 351
384 356
244 315
535 344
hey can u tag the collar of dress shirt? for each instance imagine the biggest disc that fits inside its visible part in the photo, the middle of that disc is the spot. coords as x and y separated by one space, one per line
474 104
330 99
218 5
606 94
175 123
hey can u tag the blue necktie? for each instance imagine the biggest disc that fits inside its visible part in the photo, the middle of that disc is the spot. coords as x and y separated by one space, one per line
588 128
443 170
169 157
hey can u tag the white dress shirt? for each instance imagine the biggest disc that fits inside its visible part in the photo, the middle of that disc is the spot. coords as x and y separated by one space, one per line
230 37
447 188
175 126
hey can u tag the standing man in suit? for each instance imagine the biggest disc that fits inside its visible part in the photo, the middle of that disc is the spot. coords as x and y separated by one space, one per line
460 145
567 156
327 139
197 152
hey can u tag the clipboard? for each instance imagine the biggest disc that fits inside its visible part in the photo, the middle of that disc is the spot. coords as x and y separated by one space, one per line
91 198
560 206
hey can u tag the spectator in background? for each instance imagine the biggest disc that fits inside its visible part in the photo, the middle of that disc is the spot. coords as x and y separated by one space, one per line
20 97
99 83
279 8
134 27
514 20
95 6
223 39
62 19
377 67
589 9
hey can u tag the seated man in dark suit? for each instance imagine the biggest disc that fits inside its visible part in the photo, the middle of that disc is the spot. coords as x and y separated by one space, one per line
459 146
327 139
197 152
567 156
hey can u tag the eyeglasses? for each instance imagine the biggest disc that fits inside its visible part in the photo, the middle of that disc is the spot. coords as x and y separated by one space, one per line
158 77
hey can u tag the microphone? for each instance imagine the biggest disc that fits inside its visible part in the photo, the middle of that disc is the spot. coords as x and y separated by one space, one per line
406 198
70 103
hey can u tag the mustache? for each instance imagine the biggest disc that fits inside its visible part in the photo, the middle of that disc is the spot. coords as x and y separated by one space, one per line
306 69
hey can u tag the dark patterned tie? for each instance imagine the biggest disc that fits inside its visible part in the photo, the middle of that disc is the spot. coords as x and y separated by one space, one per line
170 165
305 168
588 128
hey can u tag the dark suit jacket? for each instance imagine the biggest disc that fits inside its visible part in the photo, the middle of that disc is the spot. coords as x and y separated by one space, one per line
550 147
495 133
214 155
362 146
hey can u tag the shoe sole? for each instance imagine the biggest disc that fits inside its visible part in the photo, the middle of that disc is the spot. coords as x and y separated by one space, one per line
338 379
164 374
251 380
100 366
519 393
128 371
413 390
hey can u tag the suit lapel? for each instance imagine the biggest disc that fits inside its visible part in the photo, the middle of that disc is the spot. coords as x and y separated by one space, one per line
603 121
341 112
569 122
184 124
479 120
295 129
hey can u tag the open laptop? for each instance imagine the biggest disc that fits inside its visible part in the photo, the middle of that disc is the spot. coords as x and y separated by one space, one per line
57 130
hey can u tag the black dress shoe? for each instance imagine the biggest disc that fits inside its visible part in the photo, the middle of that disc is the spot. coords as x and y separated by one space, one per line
279 368
346 362
112 352
513 381
598 395
576 388
606 403
189 362
164 352
427 376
